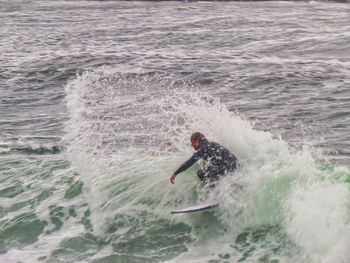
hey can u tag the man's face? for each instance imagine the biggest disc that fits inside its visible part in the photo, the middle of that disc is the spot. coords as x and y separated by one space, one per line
195 144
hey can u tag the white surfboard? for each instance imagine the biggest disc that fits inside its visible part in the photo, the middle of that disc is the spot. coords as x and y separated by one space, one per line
196 208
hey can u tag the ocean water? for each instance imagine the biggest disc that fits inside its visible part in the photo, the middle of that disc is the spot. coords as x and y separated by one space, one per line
97 103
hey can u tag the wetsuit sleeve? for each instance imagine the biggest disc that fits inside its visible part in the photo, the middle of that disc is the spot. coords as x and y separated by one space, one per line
195 157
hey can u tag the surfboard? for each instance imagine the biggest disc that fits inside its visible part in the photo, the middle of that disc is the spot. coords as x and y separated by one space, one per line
196 208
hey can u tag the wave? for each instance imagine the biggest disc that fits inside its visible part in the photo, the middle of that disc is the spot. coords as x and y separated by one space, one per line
31 150
127 133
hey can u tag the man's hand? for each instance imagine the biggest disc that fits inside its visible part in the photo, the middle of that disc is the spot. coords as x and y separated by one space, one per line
172 179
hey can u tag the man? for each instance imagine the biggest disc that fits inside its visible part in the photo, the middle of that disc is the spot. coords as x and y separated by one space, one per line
219 160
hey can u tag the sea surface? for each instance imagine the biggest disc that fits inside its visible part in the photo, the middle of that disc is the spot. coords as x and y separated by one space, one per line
97 103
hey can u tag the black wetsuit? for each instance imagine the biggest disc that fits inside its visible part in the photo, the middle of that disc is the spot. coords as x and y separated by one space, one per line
219 162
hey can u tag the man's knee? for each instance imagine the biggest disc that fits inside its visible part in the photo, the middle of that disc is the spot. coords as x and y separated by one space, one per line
213 176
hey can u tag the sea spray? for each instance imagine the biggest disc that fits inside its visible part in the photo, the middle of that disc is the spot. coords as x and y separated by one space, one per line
317 219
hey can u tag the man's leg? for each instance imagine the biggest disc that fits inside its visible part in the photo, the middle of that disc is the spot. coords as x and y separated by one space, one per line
213 176
232 167
210 177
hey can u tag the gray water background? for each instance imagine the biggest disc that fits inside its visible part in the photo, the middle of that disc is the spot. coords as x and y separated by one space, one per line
284 65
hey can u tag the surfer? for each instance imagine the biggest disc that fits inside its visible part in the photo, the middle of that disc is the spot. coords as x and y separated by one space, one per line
219 160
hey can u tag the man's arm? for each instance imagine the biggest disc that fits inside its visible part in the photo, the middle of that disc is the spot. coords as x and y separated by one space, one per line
195 157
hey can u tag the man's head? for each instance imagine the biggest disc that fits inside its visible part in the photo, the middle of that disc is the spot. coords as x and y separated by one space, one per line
197 139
